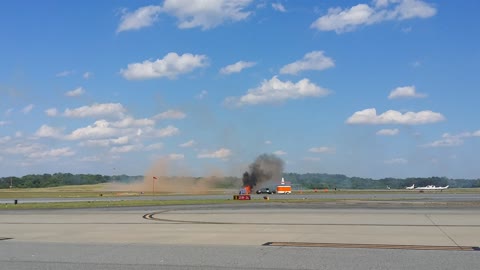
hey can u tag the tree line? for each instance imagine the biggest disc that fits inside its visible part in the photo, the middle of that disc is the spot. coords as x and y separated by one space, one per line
304 181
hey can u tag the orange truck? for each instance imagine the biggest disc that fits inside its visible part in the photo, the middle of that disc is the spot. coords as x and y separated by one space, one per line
284 189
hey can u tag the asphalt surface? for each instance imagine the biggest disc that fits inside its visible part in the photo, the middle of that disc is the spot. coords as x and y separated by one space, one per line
233 237
414 196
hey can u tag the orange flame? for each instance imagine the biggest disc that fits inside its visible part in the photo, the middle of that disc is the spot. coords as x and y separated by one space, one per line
248 189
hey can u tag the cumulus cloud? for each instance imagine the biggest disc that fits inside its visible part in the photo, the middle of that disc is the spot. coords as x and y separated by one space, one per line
171 66
280 153
277 91
278 7
322 149
268 142
176 156
87 75
206 14
167 131
187 144
343 20
126 148
51 112
132 122
315 60
106 142
405 92
23 148
4 123
237 67
369 116
48 131
95 110
170 114
449 140
64 73
396 161
27 109
100 129
5 139
222 153
388 132
53 153
154 147
202 94
140 18
75 92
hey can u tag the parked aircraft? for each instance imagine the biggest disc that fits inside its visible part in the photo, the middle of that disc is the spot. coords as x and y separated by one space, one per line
411 187
431 187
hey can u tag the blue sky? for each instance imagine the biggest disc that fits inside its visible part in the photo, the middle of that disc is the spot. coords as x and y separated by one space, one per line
384 88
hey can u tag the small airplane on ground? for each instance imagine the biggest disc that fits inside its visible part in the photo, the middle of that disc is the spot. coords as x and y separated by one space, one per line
411 187
431 187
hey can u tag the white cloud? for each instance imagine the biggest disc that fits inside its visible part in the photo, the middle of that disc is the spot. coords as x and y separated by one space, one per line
58 152
140 18
27 109
312 159
206 14
449 140
237 67
95 110
170 66
65 73
322 149
9 111
278 7
5 139
315 60
369 116
4 123
167 131
170 114
75 92
154 147
187 144
126 148
277 91
176 156
343 20
132 122
50 132
388 132
268 142
51 112
106 142
396 161
405 92
222 153
18 134
100 129
90 159
87 75
280 153
202 94
23 148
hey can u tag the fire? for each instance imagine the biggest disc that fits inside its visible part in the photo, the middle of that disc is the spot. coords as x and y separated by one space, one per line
248 189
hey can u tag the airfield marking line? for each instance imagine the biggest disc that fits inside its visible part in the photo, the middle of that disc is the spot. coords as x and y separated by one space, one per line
151 216
373 246
438 226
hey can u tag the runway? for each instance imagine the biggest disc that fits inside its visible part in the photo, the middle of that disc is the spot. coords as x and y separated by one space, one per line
237 237
405 196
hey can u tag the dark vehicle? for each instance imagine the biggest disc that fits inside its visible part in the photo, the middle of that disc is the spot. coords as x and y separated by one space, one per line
265 191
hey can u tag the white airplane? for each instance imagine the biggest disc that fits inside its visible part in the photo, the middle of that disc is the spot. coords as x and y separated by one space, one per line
411 187
431 187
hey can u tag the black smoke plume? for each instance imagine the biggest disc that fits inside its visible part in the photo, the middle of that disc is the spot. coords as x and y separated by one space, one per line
266 167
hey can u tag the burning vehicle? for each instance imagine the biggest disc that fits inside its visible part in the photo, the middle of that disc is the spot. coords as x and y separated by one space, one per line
265 168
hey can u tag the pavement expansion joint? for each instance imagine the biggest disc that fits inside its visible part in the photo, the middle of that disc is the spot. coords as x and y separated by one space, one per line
371 246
